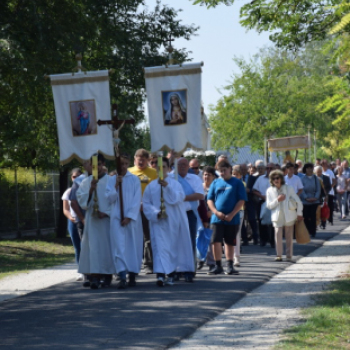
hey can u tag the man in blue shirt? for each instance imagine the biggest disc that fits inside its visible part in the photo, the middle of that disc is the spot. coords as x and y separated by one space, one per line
226 198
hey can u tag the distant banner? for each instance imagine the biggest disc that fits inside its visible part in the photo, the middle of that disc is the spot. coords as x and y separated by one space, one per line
174 107
80 101
288 143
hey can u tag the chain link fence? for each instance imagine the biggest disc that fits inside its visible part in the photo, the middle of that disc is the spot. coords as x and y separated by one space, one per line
29 201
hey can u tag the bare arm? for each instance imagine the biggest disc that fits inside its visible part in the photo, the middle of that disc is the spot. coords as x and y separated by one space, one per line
66 211
75 206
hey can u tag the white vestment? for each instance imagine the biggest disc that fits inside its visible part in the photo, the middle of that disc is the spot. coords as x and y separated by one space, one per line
170 237
127 241
95 255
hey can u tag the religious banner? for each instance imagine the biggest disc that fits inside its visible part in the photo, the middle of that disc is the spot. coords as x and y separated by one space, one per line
81 99
288 143
174 107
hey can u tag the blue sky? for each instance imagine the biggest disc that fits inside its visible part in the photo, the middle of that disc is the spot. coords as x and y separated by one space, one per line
220 38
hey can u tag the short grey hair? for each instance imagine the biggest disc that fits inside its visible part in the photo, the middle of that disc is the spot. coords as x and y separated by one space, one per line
317 167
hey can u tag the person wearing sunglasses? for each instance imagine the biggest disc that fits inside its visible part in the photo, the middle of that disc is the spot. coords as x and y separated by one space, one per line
286 208
194 165
153 161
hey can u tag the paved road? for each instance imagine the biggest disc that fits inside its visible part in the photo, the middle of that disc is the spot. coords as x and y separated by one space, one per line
67 316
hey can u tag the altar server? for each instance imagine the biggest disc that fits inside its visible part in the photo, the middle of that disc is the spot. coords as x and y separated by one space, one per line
126 234
96 256
170 236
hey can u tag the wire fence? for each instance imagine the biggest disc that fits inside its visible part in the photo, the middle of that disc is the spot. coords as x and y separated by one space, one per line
29 201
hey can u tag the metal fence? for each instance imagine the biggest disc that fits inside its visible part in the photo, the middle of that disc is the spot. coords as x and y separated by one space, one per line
29 201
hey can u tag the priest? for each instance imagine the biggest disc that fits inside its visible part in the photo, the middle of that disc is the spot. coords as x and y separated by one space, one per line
96 256
170 236
126 234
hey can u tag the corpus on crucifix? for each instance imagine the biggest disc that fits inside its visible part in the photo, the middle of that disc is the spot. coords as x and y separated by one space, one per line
117 125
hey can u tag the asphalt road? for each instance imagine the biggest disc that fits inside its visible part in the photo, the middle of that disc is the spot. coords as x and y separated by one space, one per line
67 316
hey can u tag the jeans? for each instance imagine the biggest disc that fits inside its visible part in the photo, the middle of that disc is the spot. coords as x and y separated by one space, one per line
74 235
342 199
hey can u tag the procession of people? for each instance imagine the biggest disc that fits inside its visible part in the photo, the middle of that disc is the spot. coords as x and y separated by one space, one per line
150 217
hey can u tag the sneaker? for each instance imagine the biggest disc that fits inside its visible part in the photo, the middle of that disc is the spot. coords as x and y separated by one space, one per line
237 262
160 281
230 270
148 270
278 258
80 277
200 265
216 270
169 281
122 284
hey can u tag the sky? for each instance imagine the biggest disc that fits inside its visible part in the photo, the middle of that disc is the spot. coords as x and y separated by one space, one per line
219 39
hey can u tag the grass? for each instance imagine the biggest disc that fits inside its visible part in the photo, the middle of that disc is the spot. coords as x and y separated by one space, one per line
327 323
22 255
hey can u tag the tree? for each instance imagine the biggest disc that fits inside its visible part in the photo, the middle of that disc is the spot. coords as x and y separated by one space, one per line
41 37
276 94
293 23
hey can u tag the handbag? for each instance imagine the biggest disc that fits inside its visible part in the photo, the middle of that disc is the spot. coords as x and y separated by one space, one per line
202 242
301 233
325 212
265 215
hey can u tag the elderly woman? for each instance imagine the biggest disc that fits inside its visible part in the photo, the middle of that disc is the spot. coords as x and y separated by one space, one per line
310 197
286 208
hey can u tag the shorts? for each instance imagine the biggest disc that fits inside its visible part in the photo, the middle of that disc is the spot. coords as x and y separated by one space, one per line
226 233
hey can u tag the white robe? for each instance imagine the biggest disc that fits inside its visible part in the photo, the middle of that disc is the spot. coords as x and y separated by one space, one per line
127 241
170 237
95 255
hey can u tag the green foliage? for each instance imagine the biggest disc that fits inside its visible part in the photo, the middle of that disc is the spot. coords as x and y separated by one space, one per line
327 324
212 3
26 200
276 94
21 255
41 37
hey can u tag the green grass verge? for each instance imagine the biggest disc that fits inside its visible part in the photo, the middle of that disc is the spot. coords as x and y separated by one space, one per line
26 254
327 323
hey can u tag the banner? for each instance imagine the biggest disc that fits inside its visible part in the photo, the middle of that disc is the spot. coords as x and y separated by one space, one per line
288 143
174 107
80 101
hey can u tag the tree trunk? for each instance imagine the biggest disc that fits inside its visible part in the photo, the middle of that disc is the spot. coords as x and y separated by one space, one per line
61 230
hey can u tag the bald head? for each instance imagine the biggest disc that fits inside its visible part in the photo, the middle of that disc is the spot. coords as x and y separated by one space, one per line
182 167
194 165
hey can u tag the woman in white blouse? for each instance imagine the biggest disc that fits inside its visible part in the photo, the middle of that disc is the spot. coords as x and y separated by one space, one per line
286 208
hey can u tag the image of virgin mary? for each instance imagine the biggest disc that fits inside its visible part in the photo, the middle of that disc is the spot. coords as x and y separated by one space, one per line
176 114
84 119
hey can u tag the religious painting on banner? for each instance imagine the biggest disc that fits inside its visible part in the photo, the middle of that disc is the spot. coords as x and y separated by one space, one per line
80 100
174 107
83 117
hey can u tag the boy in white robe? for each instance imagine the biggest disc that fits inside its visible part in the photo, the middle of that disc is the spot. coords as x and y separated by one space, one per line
95 256
170 237
126 234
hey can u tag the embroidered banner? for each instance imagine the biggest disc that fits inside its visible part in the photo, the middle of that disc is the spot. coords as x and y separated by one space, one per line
80 101
174 107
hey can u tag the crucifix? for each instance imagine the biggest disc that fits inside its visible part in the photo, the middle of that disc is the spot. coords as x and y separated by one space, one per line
170 51
117 126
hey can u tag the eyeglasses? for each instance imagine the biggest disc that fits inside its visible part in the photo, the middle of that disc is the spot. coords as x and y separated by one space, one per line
74 176
154 162
194 167
269 168
276 178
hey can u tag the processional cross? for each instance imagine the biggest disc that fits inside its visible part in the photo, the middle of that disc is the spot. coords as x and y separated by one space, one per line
117 126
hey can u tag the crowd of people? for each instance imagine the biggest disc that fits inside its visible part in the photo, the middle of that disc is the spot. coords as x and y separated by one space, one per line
119 227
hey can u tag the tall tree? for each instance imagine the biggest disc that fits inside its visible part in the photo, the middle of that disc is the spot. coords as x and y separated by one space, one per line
41 37
276 94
